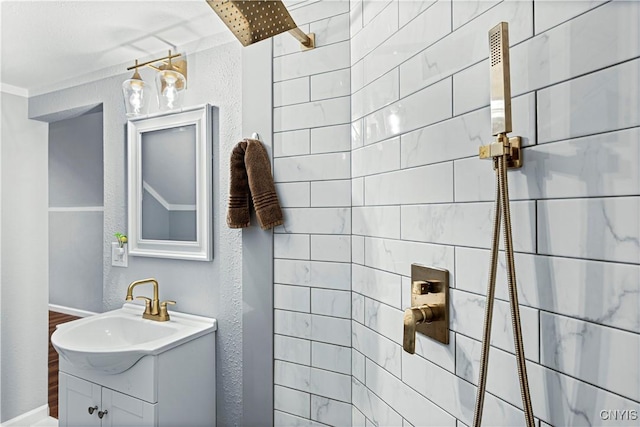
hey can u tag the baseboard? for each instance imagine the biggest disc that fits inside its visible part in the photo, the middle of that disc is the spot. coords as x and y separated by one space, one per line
28 418
70 311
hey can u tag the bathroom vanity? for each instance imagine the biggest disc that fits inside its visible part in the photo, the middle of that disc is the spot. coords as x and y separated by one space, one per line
143 377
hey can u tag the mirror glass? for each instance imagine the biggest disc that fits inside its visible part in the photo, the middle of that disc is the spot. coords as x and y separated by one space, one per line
170 185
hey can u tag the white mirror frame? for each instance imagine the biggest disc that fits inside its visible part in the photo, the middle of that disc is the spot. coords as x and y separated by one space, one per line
199 250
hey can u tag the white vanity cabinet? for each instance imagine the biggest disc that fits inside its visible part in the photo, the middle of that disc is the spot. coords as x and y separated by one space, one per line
173 388
85 404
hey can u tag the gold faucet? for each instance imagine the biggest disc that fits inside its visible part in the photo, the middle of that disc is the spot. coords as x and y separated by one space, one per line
154 309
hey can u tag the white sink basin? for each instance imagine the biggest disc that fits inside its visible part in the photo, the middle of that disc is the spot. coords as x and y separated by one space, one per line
114 341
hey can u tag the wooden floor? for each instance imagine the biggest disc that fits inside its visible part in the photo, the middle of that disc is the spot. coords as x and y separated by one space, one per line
55 319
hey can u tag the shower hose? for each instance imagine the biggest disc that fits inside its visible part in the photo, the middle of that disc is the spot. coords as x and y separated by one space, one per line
502 209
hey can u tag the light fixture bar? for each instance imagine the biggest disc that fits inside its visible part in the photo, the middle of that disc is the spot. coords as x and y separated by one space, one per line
144 64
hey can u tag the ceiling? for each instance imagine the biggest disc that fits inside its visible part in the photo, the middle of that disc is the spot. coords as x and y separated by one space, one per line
47 45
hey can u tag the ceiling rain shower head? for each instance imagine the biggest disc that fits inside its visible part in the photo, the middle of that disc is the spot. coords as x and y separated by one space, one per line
252 21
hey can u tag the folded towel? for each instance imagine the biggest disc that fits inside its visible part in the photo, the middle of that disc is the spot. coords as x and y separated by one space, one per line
251 175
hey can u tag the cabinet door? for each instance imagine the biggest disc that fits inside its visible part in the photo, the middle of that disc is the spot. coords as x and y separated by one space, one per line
127 411
76 396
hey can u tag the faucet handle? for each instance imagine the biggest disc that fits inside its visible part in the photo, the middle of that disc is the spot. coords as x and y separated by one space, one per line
147 304
164 314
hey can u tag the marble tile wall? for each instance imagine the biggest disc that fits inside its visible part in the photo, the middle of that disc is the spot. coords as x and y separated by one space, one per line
312 251
419 111
375 158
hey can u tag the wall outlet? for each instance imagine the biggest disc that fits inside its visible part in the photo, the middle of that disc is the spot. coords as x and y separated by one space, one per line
119 256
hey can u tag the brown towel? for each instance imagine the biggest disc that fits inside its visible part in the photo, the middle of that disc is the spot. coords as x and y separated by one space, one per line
251 174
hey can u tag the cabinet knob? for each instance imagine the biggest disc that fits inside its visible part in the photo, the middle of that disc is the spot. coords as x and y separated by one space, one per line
102 413
92 409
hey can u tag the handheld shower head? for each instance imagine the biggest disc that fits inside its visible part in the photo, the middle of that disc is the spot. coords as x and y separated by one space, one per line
500 79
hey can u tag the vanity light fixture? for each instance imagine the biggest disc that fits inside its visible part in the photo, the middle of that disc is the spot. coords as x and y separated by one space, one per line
171 82
136 94
254 20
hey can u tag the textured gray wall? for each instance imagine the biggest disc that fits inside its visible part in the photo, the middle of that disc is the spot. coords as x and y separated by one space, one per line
204 288
24 261
75 236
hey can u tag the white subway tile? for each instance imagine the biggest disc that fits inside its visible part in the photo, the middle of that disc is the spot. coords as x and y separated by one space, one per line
375 158
294 298
312 114
599 102
330 412
467 224
427 184
312 168
357 137
315 61
384 319
294 194
376 284
602 362
292 324
468 315
289 92
291 349
331 330
406 400
331 139
426 29
465 11
331 85
357 249
331 248
379 221
372 407
371 9
376 95
409 10
434 351
461 136
465 46
316 11
592 166
294 143
331 193
283 419
600 229
357 76
376 31
292 401
374 346
357 419
422 108
543 60
331 30
291 246
331 303
317 221
550 14
453 393
291 375
331 384
576 402
396 256
330 275
357 307
331 357
551 284
357 365
357 191
355 17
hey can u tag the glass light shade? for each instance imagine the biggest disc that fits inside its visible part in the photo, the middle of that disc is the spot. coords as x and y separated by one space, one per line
170 85
136 97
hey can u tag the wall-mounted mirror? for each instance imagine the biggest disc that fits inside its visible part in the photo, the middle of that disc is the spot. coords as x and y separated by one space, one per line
170 184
